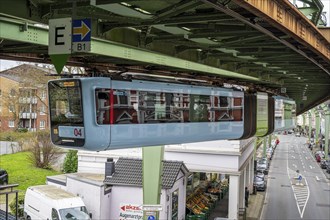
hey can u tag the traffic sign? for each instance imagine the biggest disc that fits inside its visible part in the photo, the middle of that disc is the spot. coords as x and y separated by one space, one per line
152 207
59 38
151 217
81 35
299 177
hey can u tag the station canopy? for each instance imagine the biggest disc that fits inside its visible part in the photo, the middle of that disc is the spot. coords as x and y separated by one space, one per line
213 42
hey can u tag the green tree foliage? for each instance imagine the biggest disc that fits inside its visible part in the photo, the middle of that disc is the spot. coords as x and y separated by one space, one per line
71 162
12 206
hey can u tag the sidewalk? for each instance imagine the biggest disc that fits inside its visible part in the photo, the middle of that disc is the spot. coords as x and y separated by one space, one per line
256 203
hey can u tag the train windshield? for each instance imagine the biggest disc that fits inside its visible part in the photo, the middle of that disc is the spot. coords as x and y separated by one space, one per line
65 103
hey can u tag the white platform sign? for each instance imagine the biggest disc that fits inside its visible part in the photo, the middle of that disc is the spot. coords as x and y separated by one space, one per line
60 36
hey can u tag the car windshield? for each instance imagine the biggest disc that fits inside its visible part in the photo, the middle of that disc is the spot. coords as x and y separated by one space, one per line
74 213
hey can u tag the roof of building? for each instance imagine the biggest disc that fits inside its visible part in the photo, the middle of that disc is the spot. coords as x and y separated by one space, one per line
128 171
27 73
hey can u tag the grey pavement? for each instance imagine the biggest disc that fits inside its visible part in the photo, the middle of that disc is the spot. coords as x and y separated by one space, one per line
256 203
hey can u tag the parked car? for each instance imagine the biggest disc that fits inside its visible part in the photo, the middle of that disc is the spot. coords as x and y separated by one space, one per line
260 174
324 164
318 158
260 183
262 166
269 153
298 134
328 168
3 177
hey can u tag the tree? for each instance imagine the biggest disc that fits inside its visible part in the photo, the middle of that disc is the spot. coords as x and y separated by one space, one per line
43 153
71 162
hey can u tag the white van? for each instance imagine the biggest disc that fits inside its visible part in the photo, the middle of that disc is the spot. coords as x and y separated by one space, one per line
52 203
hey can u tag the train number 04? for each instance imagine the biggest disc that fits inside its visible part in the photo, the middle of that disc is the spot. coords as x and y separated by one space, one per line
77 132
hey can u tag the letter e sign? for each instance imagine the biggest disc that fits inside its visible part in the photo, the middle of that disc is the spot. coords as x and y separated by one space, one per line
59 36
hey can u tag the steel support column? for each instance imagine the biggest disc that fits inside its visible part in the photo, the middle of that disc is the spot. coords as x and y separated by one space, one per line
152 175
317 125
269 140
327 130
265 147
309 126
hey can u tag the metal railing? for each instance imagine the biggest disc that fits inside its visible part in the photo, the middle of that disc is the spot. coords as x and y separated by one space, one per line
3 191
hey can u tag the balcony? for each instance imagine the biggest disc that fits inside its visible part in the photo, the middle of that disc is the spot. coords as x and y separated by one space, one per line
27 115
28 100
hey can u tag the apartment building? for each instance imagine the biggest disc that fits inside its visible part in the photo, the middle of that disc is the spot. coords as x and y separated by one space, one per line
23 98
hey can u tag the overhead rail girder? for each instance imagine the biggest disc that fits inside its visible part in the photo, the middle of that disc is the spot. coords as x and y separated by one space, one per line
23 32
284 15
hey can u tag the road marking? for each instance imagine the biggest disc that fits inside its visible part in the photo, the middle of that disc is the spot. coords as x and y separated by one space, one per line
311 166
301 193
317 178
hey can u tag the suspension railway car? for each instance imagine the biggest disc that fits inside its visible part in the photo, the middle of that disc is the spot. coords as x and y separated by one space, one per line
100 113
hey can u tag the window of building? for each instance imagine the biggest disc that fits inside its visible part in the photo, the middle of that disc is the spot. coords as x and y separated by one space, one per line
42 109
12 92
11 108
0 123
11 124
0 92
0 107
42 124
43 95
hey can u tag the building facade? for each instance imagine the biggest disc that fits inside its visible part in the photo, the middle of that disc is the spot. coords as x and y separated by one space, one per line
24 98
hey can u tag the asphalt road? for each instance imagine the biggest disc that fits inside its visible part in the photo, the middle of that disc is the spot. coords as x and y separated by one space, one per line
287 197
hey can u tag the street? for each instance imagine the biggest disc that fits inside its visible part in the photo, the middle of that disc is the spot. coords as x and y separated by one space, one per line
297 187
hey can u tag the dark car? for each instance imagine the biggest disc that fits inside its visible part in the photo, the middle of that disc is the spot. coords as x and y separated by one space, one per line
328 168
260 183
324 164
3 177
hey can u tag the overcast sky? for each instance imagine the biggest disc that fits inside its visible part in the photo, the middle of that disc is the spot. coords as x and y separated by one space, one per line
5 64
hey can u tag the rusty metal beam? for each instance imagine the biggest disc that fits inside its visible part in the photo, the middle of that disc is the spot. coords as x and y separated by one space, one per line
283 15
241 18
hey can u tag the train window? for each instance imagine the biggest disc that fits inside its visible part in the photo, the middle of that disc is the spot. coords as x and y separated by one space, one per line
65 103
224 101
159 107
102 106
226 109
199 108
125 107
237 109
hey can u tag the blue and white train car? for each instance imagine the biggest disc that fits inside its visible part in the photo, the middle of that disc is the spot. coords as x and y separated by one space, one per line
100 114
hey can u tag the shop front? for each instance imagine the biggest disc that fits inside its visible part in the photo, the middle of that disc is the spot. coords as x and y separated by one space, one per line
205 192
220 171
